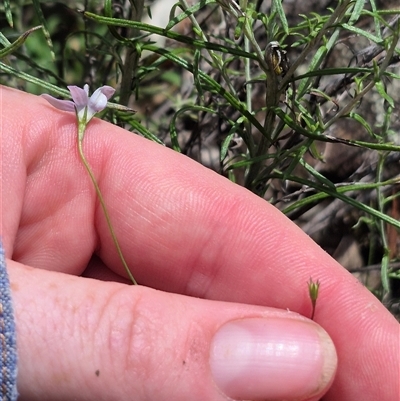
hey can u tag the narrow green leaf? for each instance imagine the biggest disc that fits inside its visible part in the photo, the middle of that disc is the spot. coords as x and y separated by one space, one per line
315 63
363 122
317 175
356 12
339 193
384 271
328 138
145 132
4 41
381 90
201 44
225 145
376 39
15 45
196 69
7 9
377 23
234 129
43 22
334 71
191 10
278 8
174 136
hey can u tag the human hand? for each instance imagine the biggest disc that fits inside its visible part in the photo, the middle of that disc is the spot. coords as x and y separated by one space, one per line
192 234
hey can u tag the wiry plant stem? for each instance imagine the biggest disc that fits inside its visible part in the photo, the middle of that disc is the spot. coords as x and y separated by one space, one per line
102 203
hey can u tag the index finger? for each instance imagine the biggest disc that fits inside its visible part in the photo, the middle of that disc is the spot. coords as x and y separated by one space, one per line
185 229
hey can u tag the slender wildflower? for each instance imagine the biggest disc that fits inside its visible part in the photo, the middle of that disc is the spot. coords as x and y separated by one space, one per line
85 108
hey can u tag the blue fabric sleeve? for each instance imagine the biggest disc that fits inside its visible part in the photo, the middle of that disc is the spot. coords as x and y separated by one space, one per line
8 347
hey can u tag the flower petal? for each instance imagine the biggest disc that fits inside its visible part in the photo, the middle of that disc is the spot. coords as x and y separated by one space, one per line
98 101
79 96
108 91
65 105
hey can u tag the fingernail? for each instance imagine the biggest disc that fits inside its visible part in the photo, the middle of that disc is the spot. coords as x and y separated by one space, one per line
272 359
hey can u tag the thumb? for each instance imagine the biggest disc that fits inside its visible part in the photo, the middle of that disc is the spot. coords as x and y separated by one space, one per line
84 339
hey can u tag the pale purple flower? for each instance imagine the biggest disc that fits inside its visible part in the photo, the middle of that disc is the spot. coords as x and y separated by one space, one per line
84 106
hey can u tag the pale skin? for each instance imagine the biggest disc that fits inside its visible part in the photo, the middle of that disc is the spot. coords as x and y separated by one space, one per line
85 334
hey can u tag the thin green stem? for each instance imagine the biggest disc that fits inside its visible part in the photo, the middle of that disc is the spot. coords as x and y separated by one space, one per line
381 227
102 203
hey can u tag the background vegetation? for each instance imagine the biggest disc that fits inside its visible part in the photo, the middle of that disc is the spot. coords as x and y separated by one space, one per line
310 122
